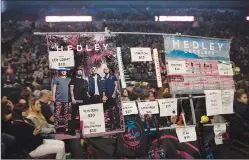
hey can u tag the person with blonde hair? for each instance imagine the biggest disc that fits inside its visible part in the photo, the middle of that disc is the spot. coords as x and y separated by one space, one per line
39 121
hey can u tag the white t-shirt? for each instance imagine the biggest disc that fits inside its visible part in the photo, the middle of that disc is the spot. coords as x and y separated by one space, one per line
96 92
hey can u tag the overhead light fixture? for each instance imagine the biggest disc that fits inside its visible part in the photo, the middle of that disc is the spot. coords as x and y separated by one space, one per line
68 18
175 18
247 18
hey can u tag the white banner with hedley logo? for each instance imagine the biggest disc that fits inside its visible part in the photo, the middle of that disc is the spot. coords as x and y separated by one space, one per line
93 118
60 59
141 54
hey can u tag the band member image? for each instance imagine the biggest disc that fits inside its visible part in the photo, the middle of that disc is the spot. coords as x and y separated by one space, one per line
60 97
110 105
110 87
79 96
96 87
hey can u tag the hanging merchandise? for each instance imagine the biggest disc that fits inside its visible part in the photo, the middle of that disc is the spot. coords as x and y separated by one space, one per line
133 142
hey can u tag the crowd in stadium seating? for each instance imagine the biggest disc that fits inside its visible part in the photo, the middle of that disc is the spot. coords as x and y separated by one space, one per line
27 65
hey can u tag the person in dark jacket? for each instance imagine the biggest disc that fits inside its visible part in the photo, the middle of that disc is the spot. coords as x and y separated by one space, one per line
96 87
241 108
29 139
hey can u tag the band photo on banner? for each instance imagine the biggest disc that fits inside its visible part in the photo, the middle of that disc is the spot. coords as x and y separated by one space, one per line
85 86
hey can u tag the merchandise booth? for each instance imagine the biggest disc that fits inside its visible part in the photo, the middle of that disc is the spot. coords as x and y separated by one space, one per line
141 95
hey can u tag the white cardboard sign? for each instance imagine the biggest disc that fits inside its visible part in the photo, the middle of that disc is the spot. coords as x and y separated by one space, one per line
150 107
186 134
61 59
225 69
177 67
213 102
141 54
168 107
129 108
93 118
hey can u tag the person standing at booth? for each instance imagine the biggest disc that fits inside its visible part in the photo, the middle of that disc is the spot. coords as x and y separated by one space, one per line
79 96
60 97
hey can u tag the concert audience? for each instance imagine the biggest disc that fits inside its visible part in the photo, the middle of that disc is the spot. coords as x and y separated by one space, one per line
39 121
28 136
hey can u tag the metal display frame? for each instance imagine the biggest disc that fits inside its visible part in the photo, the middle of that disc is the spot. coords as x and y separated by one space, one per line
190 97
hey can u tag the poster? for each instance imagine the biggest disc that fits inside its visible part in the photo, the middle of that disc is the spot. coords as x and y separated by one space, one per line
203 69
94 79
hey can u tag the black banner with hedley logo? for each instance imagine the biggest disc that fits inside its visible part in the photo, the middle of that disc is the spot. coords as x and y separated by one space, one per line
133 142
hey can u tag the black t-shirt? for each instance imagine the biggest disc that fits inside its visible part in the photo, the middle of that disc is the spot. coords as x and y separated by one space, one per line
25 139
133 142
46 111
80 88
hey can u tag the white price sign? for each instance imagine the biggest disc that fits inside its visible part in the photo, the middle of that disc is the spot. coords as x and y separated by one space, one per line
93 118
168 107
141 54
129 108
225 69
150 107
186 134
213 102
177 67
219 130
60 59
227 97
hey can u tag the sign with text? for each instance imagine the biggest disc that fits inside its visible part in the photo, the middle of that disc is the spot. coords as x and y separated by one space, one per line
225 69
219 130
177 67
202 69
93 118
186 134
213 102
227 97
168 107
141 54
150 107
129 108
61 59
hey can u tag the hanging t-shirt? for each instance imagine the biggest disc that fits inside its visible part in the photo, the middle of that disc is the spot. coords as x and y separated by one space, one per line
61 94
133 142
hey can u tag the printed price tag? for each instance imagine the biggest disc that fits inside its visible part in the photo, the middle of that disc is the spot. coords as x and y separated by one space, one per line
219 130
150 107
186 134
141 54
177 67
93 118
168 107
213 102
225 69
129 108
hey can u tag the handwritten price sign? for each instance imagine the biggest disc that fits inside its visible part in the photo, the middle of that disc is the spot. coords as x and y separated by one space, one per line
186 134
129 108
225 69
168 107
93 118
177 67
59 59
141 54
150 107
